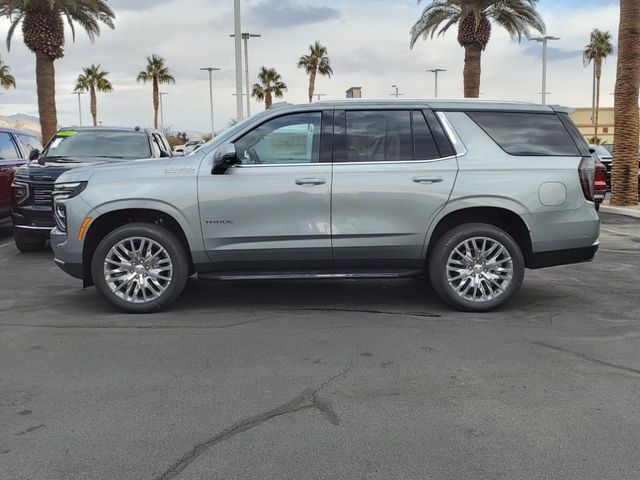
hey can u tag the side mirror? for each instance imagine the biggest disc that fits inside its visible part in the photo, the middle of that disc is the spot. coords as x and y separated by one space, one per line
224 158
34 154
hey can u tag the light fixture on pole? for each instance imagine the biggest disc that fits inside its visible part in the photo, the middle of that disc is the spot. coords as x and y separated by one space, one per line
162 94
79 93
245 38
435 71
237 30
544 40
211 70
319 95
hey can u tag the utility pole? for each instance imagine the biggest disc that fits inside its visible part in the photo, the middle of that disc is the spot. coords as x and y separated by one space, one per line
238 51
319 95
211 70
435 71
397 92
162 94
544 40
245 38
79 93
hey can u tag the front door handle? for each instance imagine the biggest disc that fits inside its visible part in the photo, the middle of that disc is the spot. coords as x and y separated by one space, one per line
311 181
427 180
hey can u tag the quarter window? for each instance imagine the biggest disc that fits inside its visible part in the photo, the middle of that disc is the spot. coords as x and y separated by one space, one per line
7 148
379 136
527 133
424 145
289 139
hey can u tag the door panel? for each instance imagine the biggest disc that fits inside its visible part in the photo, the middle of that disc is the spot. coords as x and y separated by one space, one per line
9 160
273 211
383 204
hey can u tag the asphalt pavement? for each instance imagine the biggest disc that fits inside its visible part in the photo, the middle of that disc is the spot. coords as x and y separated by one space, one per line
324 379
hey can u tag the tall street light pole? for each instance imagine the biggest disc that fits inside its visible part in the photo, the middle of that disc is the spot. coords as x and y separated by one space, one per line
544 40
397 92
435 71
238 51
320 95
79 93
245 38
162 94
211 70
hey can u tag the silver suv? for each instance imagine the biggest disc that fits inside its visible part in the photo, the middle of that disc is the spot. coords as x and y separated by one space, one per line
466 193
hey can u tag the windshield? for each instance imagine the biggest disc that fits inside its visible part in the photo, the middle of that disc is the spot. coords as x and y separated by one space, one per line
99 144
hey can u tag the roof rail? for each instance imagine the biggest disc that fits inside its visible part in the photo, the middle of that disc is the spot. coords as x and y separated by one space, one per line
277 105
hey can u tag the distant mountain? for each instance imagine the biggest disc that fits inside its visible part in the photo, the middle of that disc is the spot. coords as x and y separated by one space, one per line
19 120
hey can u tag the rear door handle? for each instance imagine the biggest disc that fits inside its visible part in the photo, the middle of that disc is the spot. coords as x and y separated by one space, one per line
311 181
427 180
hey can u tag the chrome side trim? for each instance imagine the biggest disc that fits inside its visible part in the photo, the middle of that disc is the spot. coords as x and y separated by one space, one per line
307 276
453 136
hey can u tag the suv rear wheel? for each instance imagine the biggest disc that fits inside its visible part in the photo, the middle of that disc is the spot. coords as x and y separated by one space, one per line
476 267
140 268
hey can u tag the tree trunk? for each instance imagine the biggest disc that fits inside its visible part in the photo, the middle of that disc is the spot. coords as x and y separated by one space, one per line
627 118
94 106
46 85
472 70
268 101
312 84
156 103
597 116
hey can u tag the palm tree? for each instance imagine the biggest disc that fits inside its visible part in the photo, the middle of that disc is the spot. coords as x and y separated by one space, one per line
93 80
474 18
158 73
271 85
7 80
596 51
43 33
627 119
317 62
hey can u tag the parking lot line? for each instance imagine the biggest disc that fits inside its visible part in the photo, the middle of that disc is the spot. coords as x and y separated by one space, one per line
5 244
616 232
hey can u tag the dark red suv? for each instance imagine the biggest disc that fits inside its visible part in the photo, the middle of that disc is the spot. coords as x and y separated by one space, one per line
15 148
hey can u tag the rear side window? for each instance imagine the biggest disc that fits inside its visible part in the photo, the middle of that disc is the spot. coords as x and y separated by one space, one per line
423 143
527 133
379 136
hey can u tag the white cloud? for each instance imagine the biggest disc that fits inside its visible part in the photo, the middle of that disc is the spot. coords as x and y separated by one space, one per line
368 43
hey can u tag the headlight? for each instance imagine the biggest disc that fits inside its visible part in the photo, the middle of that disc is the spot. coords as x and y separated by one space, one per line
19 193
64 191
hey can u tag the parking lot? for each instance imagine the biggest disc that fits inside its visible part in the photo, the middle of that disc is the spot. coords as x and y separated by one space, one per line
324 379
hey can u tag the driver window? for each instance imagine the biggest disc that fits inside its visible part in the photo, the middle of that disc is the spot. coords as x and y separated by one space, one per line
284 140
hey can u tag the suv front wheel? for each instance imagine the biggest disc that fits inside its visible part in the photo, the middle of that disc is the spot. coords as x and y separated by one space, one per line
140 267
476 267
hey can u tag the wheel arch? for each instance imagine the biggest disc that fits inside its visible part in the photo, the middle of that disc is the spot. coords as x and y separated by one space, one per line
505 218
109 221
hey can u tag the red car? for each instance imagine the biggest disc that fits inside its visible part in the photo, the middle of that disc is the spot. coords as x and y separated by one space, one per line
15 148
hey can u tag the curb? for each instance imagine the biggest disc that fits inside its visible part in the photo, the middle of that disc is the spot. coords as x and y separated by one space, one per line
620 211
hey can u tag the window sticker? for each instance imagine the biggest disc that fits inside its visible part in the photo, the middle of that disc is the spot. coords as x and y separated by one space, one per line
66 133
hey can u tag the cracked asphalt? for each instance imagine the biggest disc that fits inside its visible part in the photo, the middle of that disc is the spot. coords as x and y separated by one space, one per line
324 379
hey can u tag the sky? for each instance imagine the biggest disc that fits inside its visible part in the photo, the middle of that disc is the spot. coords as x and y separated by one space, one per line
367 40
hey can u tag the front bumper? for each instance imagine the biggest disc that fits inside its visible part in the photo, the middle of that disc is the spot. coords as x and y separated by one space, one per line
69 261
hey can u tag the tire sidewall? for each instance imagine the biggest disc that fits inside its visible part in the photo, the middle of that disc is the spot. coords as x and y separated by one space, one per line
162 236
453 238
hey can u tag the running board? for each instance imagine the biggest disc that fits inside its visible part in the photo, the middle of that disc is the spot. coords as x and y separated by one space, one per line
309 275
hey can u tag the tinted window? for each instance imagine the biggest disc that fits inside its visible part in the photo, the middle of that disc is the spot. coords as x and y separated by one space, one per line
424 145
527 133
7 148
29 143
284 140
99 143
379 136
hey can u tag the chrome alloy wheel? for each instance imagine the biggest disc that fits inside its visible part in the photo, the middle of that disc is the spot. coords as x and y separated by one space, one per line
479 269
138 270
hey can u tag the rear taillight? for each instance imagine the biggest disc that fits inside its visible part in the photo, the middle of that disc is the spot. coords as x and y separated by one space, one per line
600 183
587 174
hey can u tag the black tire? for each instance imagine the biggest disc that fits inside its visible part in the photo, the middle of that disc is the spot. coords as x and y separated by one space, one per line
168 241
445 245
597 207
28 243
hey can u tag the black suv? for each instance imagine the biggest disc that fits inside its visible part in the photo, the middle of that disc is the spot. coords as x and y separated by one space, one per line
31 201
